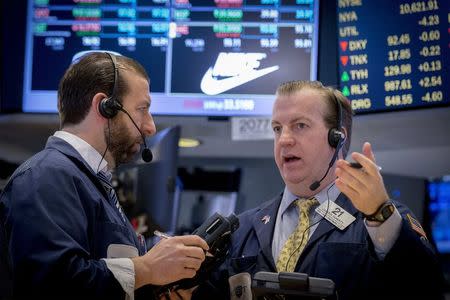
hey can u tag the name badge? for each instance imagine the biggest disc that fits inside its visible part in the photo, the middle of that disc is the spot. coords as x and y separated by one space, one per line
335 214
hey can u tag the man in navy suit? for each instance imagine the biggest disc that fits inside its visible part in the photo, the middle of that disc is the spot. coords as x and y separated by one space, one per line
370 246
66 235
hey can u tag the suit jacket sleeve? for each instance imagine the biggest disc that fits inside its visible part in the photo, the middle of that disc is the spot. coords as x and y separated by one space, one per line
412 264
47 212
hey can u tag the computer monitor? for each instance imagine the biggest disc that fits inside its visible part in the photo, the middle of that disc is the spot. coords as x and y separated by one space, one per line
204 57
394 54
438 209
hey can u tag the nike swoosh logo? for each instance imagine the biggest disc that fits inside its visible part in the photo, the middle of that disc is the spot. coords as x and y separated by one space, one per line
212 86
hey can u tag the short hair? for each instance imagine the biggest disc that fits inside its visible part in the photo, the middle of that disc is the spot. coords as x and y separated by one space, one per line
92 74
330 95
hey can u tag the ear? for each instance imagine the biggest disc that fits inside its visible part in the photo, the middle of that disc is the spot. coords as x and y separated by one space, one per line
341 153
344 131
95 104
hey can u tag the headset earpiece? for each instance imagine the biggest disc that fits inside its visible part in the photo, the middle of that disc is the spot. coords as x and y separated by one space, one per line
335 135
109 107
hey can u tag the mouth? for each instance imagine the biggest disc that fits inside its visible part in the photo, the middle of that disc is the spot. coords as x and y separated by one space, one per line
290 159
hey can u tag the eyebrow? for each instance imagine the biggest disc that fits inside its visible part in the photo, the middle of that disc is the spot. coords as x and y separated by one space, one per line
146 103
274 122
301 119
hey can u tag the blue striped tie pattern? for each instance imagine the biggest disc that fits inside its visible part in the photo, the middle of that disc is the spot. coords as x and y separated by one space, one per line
105 179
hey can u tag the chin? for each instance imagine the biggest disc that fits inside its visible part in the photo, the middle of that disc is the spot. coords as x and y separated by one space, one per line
293 176
294 179
130 156
126 157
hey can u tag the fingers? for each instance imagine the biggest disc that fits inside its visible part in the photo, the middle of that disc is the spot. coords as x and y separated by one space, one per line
347 190
353 178
366 159
188 273
347 182
192 263
364 186
192 256
194 246
173 258
367 151
189 246
193 240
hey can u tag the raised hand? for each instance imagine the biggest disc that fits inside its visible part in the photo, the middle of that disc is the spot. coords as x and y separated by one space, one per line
365 186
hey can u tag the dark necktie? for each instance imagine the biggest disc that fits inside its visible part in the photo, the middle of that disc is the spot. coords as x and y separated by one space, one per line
105 179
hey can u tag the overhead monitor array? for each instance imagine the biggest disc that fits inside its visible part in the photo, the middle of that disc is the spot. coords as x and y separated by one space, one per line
204 57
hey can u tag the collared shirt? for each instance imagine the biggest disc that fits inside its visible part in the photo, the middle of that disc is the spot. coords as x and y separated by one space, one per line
383 235
122 268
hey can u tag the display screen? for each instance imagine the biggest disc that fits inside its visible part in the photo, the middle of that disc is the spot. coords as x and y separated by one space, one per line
394 54
204 57
439 214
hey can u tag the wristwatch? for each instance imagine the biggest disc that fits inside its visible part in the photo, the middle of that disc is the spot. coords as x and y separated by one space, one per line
383 213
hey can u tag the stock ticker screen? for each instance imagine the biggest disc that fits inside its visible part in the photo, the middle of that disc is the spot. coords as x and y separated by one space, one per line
394 54
204 57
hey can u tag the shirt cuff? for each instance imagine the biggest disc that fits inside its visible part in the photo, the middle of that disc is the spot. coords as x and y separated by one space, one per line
123 271
384 235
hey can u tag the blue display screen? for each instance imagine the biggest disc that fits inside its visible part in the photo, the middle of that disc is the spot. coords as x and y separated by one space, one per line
394 54
204 57
439 214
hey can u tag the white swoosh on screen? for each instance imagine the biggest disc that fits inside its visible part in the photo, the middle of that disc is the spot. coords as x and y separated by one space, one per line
212 86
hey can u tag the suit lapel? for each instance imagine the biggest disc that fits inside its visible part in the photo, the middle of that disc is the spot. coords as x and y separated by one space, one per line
264 229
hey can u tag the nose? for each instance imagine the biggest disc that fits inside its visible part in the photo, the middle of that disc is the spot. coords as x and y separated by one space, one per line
286 138
149 127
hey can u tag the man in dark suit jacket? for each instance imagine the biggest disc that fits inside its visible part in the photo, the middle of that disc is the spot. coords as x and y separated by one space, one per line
370 246
62 228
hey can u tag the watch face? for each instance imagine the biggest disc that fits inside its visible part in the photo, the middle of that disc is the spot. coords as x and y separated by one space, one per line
383 213
387 211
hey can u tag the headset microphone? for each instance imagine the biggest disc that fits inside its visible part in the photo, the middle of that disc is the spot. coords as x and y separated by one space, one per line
336 140
109 107
147 154
315 185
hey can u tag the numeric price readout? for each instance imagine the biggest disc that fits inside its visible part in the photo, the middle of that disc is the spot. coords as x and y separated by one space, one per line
394 54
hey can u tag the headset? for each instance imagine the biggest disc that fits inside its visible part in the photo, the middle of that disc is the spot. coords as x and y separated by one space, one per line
335 135
110 106
336 139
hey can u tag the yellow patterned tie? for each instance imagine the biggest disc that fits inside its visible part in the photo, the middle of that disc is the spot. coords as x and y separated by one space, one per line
287 260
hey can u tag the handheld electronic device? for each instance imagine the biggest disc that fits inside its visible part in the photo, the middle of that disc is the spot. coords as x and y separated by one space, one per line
216 231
